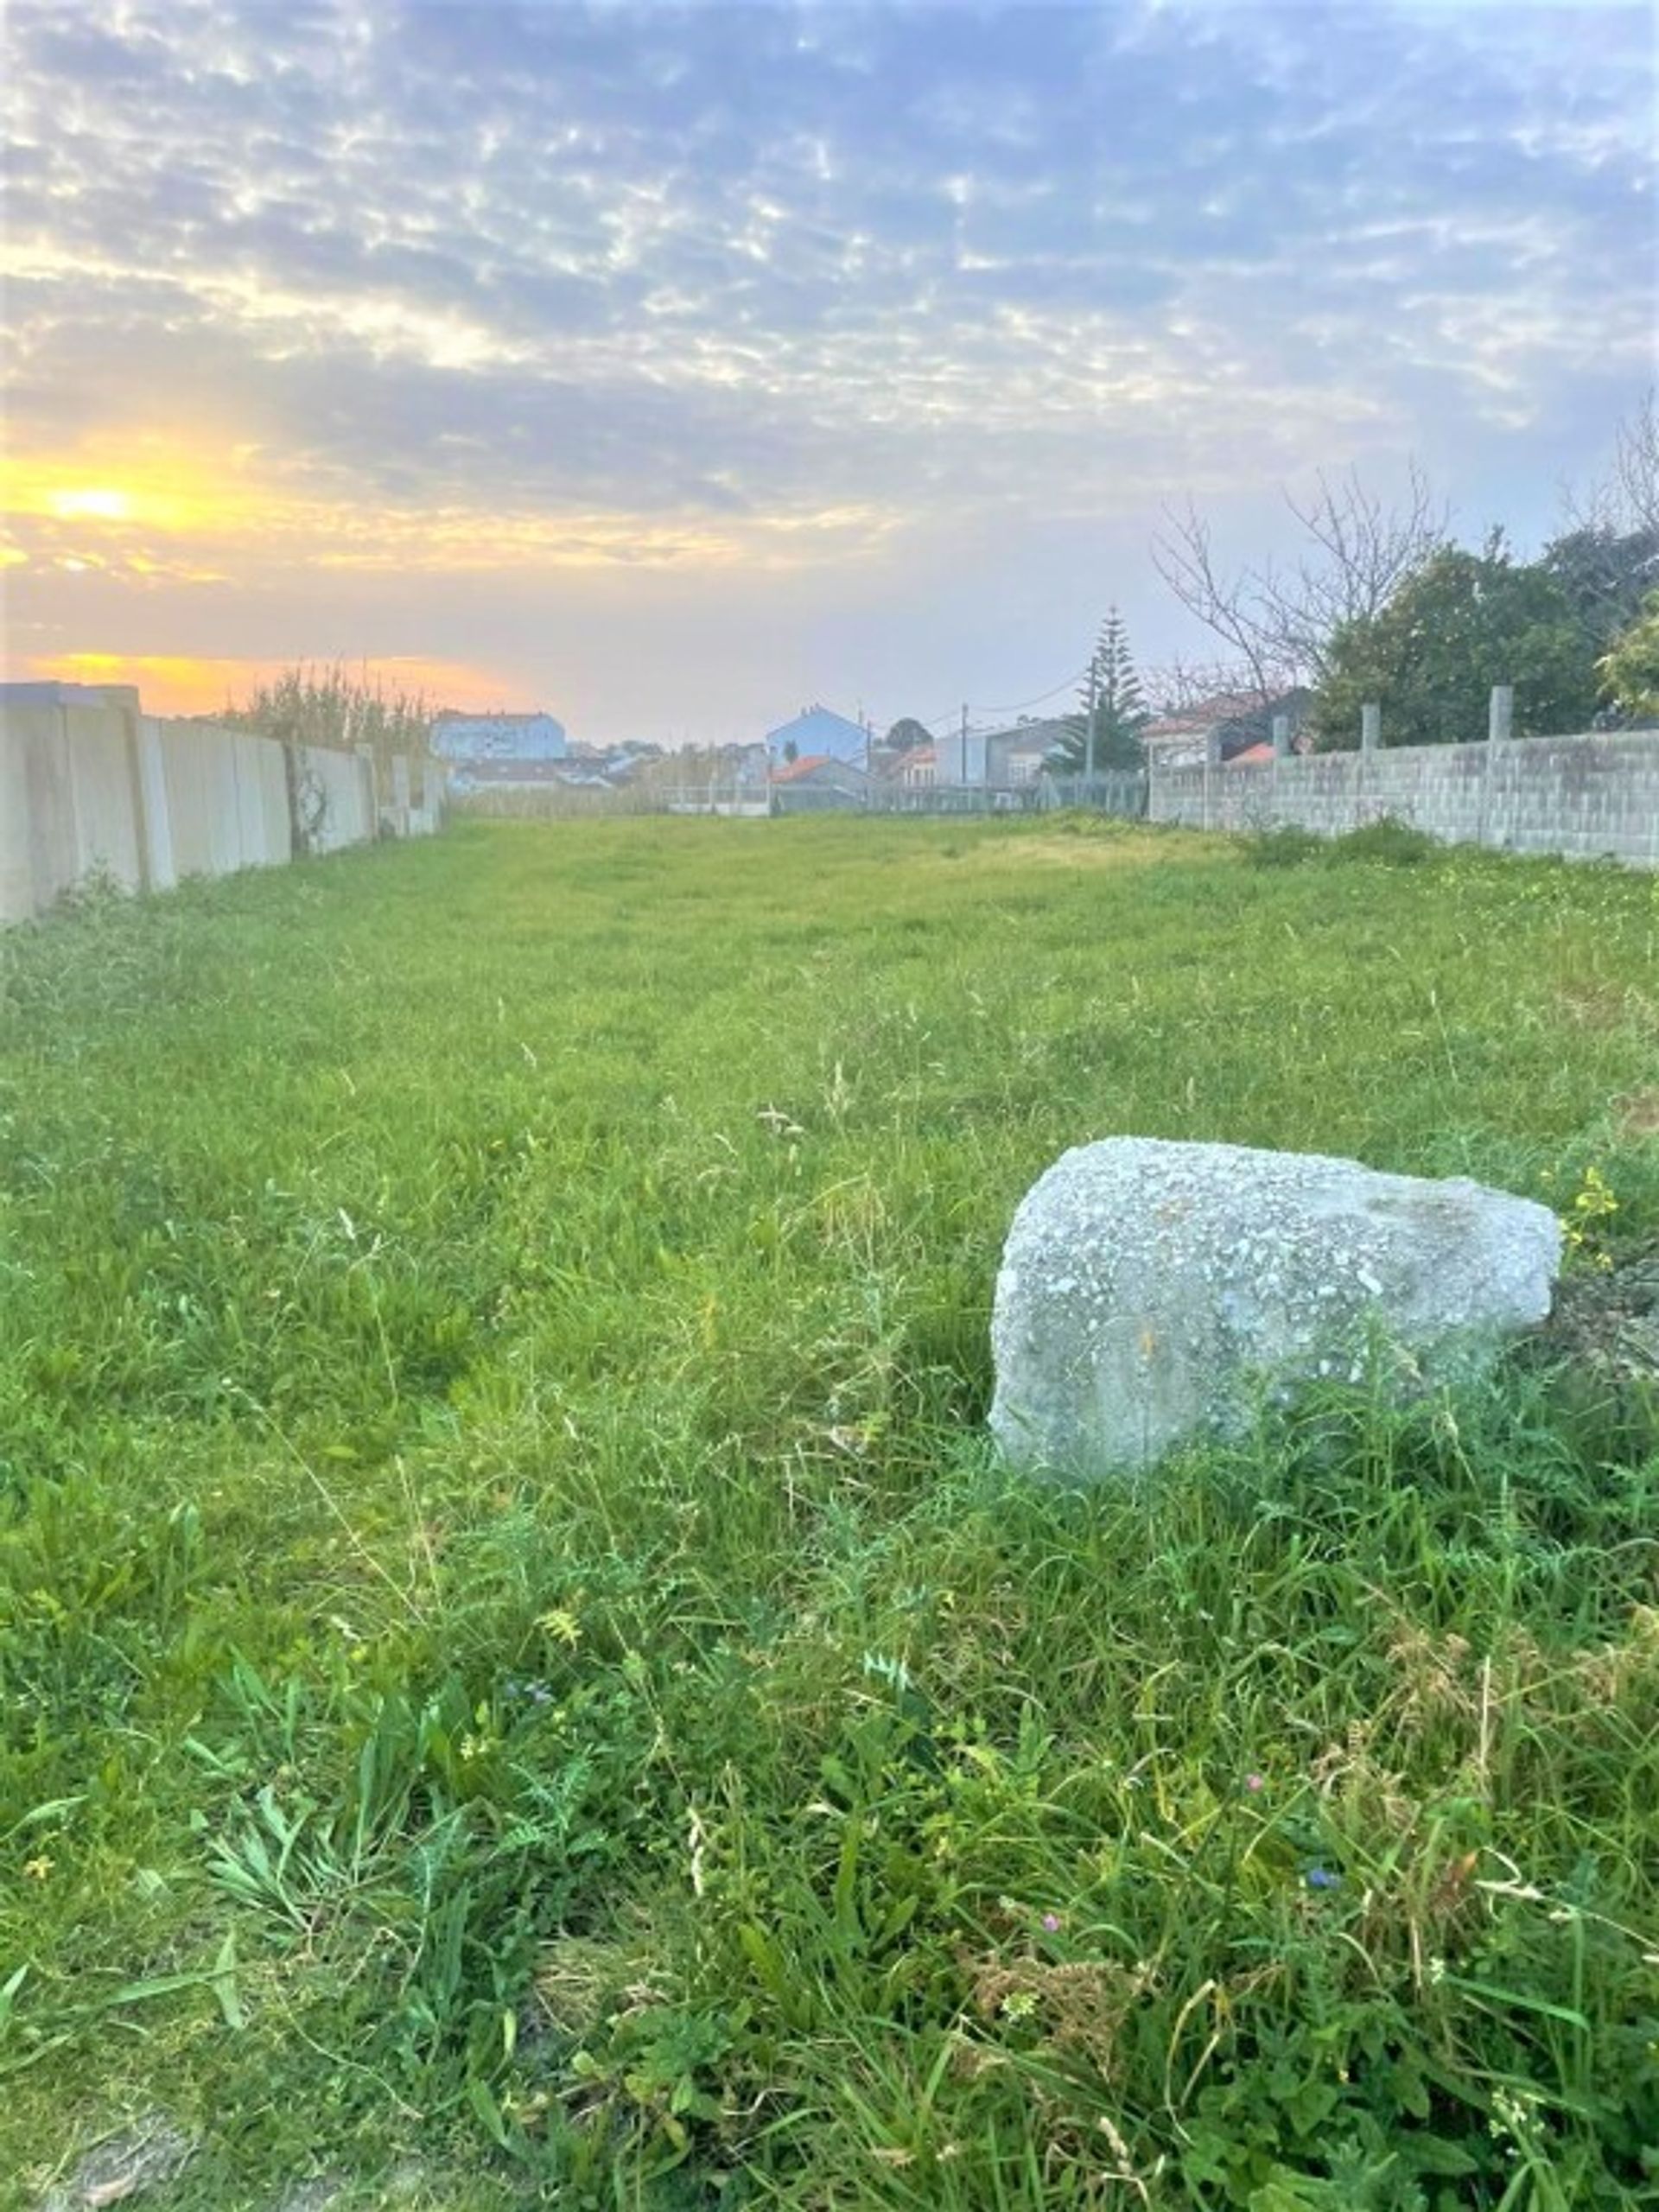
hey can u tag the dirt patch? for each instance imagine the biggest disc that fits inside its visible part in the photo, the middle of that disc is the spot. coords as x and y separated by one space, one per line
1126 845
123 2167
1607 1320
1638 1114
1605 1006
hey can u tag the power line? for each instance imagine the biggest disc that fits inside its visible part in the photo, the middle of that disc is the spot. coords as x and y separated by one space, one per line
1019 706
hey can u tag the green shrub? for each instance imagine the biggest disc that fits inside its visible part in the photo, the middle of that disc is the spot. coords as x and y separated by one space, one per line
1283 845
1387 842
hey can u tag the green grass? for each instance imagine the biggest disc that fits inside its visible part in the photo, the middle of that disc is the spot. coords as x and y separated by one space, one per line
515 1654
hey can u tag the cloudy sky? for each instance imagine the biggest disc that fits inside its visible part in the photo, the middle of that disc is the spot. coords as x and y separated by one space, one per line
669 367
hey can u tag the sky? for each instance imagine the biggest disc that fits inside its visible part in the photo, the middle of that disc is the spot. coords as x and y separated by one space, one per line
668 368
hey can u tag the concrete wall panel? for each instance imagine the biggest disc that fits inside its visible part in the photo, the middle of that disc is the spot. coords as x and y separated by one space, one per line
1577 796
103 773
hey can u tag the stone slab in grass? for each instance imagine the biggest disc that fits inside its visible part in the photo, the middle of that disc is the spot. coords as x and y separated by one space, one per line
1150 1292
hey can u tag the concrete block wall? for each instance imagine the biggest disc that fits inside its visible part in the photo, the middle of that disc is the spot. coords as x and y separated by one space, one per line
89 784
1586 797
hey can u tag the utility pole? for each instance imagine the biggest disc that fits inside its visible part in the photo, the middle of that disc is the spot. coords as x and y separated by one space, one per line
1089 736
964 743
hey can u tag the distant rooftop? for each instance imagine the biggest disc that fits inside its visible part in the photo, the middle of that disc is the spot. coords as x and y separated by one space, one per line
69 694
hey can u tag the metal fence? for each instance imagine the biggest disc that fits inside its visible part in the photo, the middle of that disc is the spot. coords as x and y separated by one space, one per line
1121 791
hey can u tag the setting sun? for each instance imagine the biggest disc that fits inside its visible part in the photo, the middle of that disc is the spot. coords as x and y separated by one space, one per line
96 501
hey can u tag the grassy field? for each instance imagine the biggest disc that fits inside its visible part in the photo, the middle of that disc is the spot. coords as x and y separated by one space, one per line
519 1677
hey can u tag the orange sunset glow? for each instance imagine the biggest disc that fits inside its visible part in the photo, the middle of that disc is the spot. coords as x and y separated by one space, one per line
182 684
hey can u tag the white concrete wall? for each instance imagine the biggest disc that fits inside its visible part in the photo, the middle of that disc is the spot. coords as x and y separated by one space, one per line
1589 797
91 786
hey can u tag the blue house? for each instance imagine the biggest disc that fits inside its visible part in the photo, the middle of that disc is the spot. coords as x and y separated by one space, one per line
817 734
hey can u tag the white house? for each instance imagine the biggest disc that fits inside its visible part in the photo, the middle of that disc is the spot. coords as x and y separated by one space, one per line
479 738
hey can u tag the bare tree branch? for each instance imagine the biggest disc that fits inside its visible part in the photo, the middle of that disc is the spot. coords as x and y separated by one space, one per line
1230 605
1625 501
1178 686
1280 622
1636 465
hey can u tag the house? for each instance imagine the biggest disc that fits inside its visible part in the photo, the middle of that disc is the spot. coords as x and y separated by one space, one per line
1000 759
818 783
1031 749
918 768
1223 727
817 733
1246 735
1187 736
473 738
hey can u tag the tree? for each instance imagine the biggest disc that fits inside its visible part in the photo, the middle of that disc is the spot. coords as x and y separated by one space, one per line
1461 624
1279 623
1630 673
906 734
1606 573
1607 558
1113 690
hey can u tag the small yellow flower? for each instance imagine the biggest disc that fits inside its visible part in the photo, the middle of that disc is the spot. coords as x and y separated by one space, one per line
39 1870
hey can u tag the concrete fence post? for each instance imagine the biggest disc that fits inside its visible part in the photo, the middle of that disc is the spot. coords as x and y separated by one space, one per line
1370 737
1281 736
369 790
1500 716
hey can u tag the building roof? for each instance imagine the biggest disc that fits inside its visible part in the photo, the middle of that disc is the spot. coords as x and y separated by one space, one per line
806 765
1036 735
47 692
815 764
506 715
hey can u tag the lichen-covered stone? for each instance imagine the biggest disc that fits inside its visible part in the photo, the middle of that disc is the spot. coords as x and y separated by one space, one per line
1150 1290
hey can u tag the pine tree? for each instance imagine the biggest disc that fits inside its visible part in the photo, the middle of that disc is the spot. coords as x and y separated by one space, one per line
1120 708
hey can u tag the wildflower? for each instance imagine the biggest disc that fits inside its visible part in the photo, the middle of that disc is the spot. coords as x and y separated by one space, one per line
1052 1924
39 1870
1321 1878
1255 1783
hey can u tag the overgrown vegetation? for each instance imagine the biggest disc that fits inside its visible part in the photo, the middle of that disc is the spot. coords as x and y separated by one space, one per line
513 1652
340 710
1386 841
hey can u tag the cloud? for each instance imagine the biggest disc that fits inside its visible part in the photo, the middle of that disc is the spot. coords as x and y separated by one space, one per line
765 283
